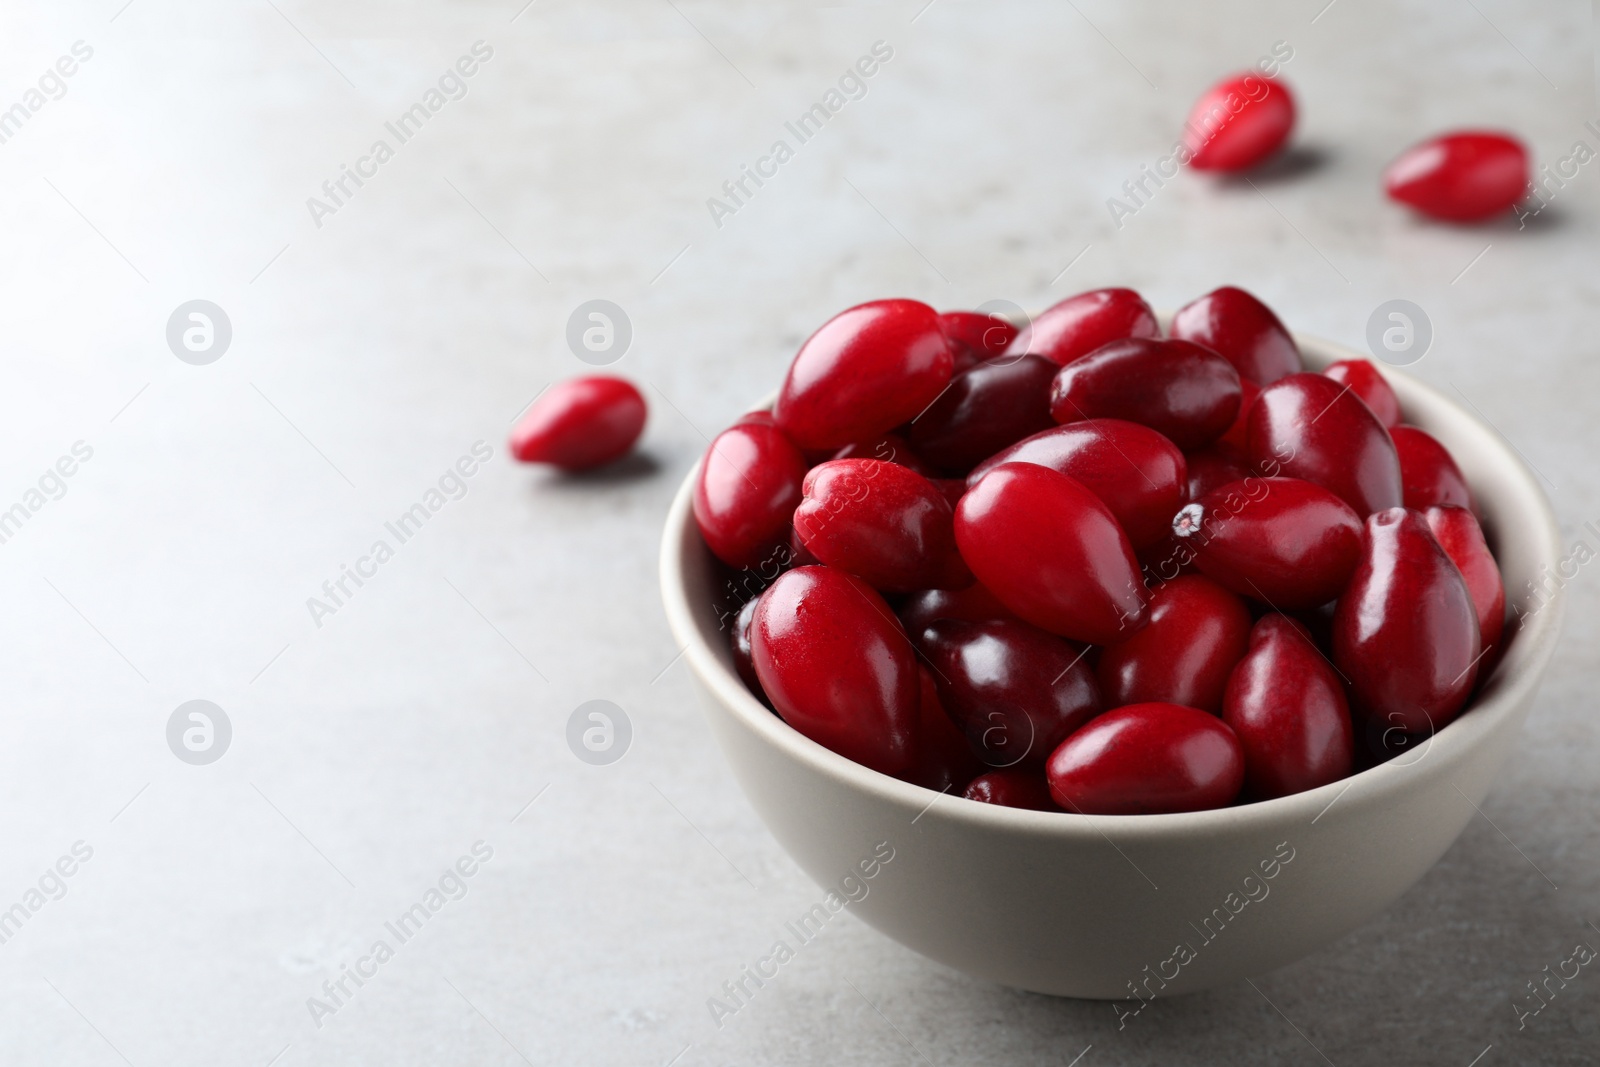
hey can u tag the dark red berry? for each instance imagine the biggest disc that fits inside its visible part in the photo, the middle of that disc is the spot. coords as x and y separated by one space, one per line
1458 533
989 407
974 604
1241 329
1309 426
1286 542
944 761
1183 655
1405 633
1287 709
1013 789
1428 473
1183 391
1015 691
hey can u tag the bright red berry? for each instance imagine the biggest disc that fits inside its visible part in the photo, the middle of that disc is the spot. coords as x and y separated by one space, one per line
1147 759
882 522
1367 382
1080 324
1135 471
1239 122
745 496
866 371
837 667
579 424
1052 553
1460 177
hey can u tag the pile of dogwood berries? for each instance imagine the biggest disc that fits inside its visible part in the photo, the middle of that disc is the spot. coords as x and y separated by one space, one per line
1085 567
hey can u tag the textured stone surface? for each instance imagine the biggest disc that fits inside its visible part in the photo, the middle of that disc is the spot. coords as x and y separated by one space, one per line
372 351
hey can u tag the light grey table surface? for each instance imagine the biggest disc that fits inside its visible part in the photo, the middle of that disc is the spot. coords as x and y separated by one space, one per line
373 345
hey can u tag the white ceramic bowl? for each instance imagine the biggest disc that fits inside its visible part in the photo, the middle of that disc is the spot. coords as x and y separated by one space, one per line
1115 907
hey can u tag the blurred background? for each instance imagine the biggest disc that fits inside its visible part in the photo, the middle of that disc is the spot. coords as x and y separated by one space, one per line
361 342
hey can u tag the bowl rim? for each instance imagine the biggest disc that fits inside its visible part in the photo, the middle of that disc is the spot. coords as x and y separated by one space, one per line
1517 674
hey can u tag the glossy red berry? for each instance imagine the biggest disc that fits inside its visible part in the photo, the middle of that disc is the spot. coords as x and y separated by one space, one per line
837 667
1287 709
1458 533
1428 473
975 336
1460 177
1288 543
746 493
1052 553
1405 633
973 604
1367 382
1012 789
944 761
882 522
1239 122
1242 330
1014 691
1309 426
1147 759
579 424
863 373
1135 471
1080 324
1196 633
987 408
1183 391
